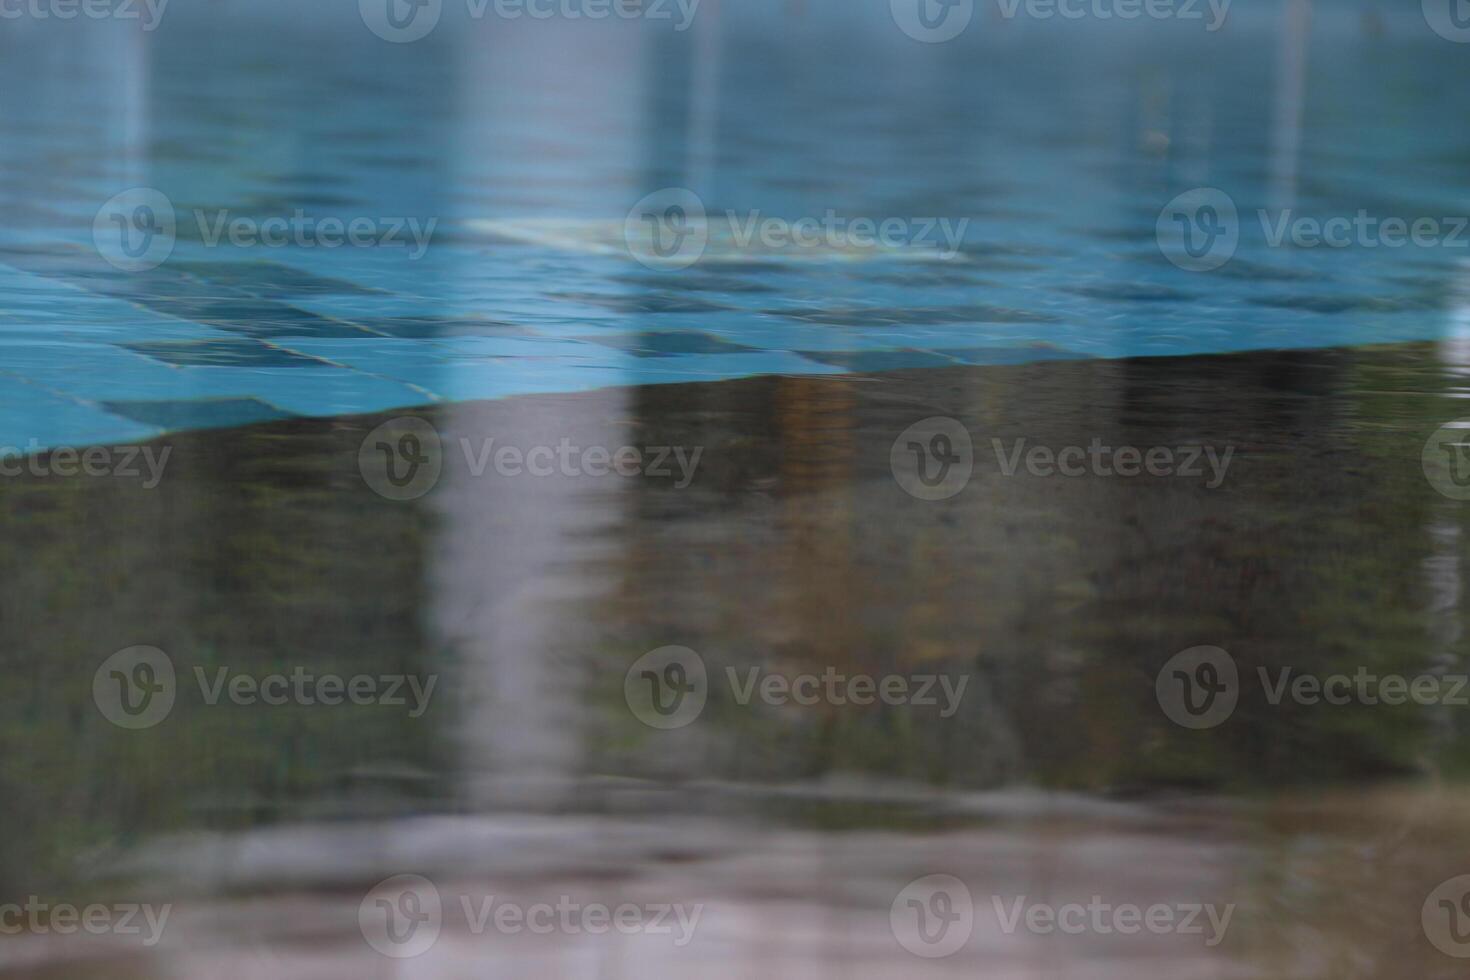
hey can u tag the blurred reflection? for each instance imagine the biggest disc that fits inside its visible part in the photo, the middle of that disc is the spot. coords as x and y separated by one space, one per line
1291 85
1059 598
788 549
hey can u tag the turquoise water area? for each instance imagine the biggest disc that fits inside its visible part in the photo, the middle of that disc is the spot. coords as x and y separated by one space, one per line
1059 142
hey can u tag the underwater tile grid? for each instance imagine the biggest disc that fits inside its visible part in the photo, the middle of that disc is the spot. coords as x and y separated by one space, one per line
1059 257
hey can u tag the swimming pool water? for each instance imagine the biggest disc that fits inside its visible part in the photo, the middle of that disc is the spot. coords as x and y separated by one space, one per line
1057 143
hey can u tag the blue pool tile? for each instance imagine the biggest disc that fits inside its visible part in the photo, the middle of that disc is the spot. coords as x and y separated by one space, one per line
234 352
668 343
213 413
438 327
1023 354
319 331
89 372
880 360
268 279
32 418
472 348
710 367
148 329
319 390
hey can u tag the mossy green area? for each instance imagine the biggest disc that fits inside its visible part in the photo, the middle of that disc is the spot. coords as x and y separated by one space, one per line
263 551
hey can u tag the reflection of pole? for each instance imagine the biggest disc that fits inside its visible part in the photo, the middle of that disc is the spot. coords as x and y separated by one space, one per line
1443 578
704 100
121 57
1443 583
516 556
517 553
1286 130
136 118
